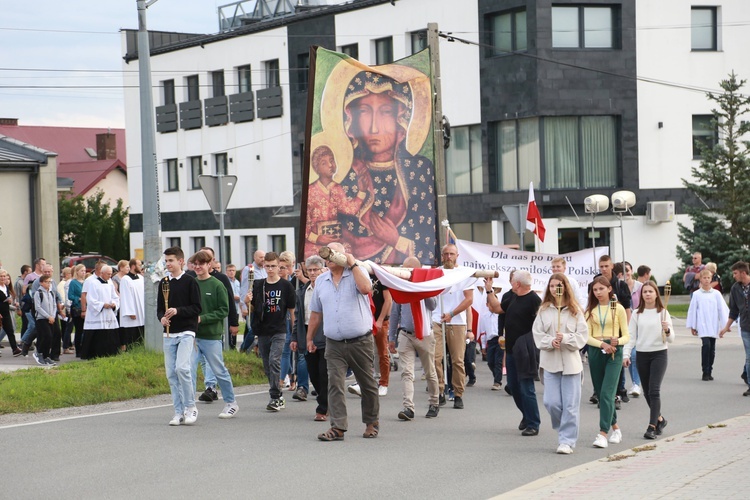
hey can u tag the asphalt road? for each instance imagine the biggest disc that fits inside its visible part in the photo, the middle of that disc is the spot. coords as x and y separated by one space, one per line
128 451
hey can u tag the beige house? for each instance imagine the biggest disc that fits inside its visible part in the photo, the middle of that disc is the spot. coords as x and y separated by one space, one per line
28 218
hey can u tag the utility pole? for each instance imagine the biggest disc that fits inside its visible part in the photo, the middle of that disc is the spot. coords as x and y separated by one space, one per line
433 42
149 177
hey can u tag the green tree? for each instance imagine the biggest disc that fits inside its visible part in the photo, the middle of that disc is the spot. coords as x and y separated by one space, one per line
721 228
89 225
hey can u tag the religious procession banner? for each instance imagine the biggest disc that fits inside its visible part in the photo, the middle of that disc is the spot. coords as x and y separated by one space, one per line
368 177
581 266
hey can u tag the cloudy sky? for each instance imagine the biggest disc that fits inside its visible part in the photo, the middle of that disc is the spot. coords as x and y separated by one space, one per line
49 46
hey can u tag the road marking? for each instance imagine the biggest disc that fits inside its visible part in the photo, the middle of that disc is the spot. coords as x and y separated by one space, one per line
102 414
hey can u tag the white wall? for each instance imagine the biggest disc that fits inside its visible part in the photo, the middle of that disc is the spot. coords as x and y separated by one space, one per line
663 50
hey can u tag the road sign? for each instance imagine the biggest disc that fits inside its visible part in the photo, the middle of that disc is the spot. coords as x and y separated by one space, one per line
218 189
516 216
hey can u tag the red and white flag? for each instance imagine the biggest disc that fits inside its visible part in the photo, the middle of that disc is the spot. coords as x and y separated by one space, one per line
425 283
533 217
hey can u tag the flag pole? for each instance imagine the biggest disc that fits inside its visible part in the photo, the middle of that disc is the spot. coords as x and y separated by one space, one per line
433 43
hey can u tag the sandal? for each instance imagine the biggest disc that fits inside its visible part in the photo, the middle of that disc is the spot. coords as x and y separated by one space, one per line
319 417
332 434
371 431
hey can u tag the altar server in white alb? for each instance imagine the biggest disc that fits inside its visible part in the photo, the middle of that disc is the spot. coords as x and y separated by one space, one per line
707 315
100 327
132 310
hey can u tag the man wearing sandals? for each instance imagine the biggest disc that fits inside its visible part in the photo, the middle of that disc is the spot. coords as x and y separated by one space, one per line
341 304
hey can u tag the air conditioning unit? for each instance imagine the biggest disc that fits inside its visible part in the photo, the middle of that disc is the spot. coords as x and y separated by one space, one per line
659 211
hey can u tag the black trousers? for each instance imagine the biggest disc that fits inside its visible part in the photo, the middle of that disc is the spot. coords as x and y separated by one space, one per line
317 368
651 367
708 353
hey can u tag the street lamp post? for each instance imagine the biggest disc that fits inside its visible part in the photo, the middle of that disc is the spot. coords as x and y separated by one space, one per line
149 177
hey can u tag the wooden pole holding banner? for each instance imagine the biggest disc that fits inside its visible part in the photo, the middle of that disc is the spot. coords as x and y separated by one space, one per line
433 43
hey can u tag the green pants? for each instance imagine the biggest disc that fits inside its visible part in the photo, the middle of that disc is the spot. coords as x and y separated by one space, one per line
605 375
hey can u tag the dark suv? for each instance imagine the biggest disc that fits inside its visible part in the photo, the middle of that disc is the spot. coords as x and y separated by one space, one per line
87 260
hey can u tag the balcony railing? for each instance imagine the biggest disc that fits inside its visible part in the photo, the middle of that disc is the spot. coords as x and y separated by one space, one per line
269 103
190 115
166 118
217 112
242 107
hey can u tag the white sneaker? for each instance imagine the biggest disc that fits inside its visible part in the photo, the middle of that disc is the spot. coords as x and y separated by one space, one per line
616 437
382 390
191 415
600 441
229 411
177 420
635 391
354 389
565 449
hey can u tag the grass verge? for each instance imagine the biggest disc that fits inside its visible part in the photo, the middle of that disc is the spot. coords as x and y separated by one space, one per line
678 310
135 374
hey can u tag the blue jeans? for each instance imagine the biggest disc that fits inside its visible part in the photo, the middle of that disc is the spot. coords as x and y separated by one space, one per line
562 398
303 378
524 393
211 352
745 334
178 352
26 337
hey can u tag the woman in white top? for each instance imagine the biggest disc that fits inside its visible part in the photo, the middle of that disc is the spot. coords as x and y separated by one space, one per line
707 315
560 331
650 331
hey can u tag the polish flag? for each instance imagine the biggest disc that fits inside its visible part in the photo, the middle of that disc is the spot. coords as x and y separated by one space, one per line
424 283
533 217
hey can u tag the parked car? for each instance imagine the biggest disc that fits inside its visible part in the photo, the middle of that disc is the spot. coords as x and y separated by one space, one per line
87 260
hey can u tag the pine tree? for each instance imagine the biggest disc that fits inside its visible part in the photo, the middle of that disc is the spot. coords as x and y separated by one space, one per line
721 230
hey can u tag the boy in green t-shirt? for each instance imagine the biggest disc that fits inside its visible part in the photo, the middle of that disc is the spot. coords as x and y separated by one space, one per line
215 305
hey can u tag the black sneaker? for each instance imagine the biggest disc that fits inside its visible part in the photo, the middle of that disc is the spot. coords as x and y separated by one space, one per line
300 394
458 403
660 425
594 399
432 412
471 383
507 389
746 393
710 377
522 426
705 377
24 349
406 414
530 431
650 433
744 377
624 396
50 362
618 403
441 400
209 395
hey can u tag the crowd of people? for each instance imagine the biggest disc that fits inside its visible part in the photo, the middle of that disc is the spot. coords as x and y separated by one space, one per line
88 315
319 323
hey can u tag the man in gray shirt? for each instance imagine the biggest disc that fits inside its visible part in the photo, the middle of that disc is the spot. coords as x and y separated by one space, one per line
411 343
341 304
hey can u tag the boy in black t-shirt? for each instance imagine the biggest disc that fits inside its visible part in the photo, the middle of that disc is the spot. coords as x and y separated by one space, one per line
269 301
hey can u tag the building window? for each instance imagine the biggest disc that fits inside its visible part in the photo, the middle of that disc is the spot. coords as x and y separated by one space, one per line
251 245
351 50
226 257
478 232
575 239
167 87
384 51
463 160
244 79
705 133
580 152
220 163
198 243
193 88
196 169
174 242
567 152
517 153
278 243
303 68
271 69
508 32
418 41
173 183
703 28
585 27
217 83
